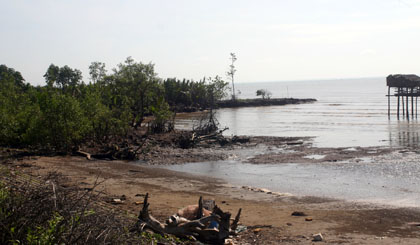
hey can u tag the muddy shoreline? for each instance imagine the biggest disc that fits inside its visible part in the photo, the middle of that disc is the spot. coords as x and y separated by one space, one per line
338 221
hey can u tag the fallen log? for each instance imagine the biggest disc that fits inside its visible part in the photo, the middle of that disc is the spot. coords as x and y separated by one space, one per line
211 227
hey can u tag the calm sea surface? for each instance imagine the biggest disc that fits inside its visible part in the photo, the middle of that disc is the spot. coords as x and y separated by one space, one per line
350 112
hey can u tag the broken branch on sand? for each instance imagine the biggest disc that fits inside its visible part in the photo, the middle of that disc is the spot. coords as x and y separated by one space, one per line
206 226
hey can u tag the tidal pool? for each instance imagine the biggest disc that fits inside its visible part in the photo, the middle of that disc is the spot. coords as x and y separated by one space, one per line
391 179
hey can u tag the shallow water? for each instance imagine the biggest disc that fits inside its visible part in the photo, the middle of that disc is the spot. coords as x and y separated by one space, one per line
390 180
350 112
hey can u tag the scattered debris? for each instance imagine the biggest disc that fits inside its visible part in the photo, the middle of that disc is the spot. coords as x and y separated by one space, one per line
135 171
265 190
413 223
193 220
317 237
229 242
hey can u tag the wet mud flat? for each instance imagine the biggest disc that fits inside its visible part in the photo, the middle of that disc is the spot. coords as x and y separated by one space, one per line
268 216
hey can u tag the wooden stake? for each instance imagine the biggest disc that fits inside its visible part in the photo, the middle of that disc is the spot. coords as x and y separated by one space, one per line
406 105
398 104
402 102
389 108
412 103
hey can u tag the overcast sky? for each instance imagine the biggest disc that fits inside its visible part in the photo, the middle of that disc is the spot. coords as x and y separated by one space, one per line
274 40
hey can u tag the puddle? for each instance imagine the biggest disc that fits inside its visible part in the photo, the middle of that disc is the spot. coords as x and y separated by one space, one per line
314 157
350 149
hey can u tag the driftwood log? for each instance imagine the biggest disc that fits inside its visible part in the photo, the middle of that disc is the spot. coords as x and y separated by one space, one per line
214 228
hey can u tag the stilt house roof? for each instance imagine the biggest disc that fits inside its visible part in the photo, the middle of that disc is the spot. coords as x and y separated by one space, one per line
400 80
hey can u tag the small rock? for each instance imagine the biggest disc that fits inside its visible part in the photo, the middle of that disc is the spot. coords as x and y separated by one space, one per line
289 224
256 230
140 195
308 219
298 213
317 237
138 203
229 242
294 143
116 201
264 190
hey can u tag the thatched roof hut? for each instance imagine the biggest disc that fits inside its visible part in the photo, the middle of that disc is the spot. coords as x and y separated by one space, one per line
400 81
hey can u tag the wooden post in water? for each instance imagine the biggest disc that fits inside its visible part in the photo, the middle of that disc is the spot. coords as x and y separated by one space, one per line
412 103
406 105
398 104
389 106
402 102
406 87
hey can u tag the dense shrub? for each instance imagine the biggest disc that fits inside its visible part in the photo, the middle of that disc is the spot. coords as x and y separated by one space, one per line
33 213
67 112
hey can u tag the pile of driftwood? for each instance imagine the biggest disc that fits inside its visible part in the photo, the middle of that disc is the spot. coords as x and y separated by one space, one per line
206 132
192 221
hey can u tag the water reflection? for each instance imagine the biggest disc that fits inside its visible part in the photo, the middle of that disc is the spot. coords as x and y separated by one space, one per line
404 133
234 120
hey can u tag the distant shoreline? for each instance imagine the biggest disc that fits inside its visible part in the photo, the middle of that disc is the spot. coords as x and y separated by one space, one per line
261 102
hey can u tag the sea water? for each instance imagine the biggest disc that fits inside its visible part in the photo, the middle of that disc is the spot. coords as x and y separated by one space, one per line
348 113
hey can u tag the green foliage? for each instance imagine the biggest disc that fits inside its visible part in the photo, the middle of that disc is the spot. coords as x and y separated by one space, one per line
7 73
136 87
61 123
202 94
216 90
15 109
101 121
68 112
46 235
97 71
64 77
162 117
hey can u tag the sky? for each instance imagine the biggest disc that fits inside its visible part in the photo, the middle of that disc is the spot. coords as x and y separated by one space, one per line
274 40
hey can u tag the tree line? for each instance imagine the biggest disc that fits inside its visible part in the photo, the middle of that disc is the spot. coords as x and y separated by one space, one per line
68 111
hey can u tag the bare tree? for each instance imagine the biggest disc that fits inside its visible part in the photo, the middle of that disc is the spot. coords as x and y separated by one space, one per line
231 73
